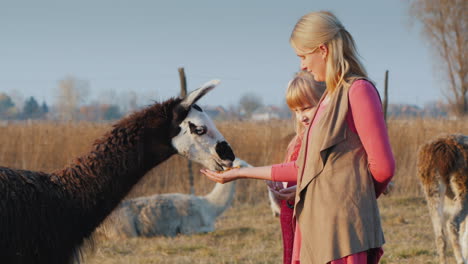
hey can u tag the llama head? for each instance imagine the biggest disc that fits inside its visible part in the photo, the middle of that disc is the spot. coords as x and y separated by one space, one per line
196 137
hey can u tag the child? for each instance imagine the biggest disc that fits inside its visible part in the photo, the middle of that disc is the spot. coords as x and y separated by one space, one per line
302 95
345 161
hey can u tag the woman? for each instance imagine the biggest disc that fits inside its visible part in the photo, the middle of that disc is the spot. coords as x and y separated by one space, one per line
345 161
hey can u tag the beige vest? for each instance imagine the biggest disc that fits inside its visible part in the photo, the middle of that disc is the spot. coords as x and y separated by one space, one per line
335 203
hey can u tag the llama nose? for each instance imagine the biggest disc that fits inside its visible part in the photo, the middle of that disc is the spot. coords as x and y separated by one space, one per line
224 151
227 163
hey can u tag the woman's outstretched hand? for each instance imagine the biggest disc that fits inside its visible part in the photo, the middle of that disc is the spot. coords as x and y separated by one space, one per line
260 173
222 176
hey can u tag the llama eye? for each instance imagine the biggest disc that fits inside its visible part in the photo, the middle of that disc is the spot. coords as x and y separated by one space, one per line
200 131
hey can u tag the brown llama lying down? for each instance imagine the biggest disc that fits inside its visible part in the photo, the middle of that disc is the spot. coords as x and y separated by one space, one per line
443 172
170 214
44 218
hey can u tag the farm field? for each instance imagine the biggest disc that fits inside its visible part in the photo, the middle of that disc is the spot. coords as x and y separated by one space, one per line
250 234
247 232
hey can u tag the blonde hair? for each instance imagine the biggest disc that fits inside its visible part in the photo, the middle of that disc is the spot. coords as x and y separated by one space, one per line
343 64
302 91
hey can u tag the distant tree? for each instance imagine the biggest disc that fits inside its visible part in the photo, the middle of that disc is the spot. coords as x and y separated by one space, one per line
249 103
99 112
111 112
445 25
71 92
7 107
44 108
31 109
5 102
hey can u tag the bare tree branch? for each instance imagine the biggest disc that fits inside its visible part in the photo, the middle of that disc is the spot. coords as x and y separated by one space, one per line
445 25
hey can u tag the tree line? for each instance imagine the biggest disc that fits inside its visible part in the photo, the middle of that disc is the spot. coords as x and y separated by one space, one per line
70 107
33 110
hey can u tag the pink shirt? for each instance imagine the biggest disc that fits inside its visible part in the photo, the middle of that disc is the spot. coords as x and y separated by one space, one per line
365 118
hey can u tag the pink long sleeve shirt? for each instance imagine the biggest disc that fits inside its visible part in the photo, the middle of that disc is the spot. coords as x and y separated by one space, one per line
366 119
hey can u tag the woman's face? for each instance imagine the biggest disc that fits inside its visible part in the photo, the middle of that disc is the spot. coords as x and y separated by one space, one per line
315 62
304 114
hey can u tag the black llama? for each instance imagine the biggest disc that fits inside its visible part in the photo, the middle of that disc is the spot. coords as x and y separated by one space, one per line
45 218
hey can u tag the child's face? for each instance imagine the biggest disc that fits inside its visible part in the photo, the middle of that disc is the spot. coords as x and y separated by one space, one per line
304 114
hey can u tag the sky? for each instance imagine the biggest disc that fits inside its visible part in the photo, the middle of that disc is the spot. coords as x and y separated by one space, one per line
119 47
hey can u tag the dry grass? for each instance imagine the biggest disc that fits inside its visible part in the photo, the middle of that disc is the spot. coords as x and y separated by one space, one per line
406 136
247 233
250 234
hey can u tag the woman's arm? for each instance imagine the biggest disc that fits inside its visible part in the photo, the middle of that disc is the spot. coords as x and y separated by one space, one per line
260 173
284 172
278 172
366 112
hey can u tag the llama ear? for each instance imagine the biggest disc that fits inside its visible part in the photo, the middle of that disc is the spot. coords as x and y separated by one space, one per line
194 96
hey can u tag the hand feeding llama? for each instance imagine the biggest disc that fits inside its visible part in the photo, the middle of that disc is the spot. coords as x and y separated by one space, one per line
170 214
44 218
443 172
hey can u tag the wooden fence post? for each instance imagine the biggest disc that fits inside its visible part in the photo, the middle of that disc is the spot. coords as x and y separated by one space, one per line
183 82
183 93
385 102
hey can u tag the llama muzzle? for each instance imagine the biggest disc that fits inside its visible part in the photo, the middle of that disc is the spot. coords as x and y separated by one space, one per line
225 153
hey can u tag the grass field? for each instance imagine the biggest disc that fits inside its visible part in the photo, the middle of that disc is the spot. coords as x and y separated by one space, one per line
247 232
250 234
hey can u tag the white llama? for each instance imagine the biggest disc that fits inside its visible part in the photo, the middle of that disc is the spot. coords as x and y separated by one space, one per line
170 214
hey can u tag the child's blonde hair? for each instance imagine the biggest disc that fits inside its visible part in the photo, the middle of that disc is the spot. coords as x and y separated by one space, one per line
303 91
343 64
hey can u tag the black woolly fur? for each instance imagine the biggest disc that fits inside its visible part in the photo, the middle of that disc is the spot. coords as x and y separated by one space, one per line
44 218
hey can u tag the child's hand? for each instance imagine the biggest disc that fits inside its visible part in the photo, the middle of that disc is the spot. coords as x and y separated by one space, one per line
287 194
389 188
222 176
275 185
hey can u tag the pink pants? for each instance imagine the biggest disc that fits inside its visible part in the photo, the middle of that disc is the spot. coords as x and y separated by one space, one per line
287 228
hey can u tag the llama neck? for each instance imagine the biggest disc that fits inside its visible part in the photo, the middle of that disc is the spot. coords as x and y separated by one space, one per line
98 181
220 198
